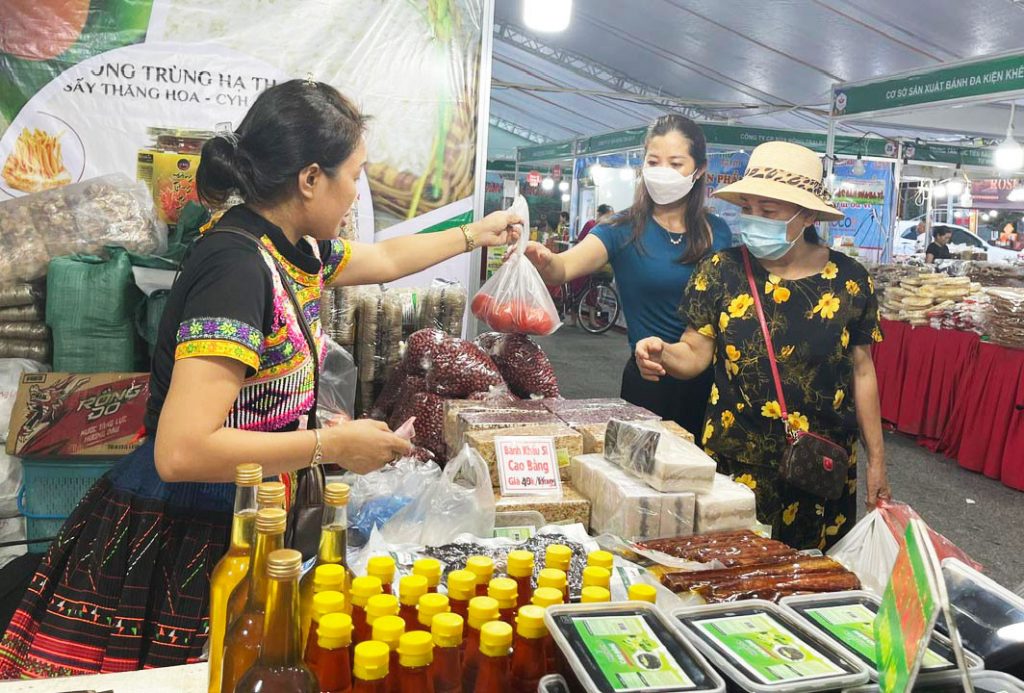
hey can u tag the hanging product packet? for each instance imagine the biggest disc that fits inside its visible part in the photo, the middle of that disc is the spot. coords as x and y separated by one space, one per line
515 300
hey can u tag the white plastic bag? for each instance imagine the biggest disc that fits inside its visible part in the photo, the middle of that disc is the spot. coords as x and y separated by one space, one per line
376 497
461 501
869 551
11 371
337 397
515 299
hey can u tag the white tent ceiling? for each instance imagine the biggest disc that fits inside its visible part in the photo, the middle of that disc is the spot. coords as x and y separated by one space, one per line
771 56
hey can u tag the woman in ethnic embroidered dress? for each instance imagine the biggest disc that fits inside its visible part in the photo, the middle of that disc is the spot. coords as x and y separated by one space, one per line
124 585
821 310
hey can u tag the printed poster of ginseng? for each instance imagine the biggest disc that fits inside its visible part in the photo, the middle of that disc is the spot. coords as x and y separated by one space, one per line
94 87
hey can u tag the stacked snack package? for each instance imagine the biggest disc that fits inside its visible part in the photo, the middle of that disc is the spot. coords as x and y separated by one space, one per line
996 274
1005 317
378 343
925 295
442 307
340 320
23 331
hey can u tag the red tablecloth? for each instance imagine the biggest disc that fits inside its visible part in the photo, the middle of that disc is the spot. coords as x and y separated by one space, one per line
956 395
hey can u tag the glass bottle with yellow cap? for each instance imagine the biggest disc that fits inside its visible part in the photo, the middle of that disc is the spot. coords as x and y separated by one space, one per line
430 568
641 592
382 568
360 592
483 568
324 603
558 556
232 568
520 568
597 576
333 669
379 606
546 596
594 594
461 589
601 559
430 605
446 670
326 578
553 577
415 653
410 589
279 668
332 548
242 641
529 655
370 667
495 654
389 630
503 590
481 610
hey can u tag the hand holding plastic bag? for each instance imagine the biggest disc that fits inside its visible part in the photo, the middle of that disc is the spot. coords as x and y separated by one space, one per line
515 299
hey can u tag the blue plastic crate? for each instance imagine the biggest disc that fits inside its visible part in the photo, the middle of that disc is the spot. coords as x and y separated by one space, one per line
50 491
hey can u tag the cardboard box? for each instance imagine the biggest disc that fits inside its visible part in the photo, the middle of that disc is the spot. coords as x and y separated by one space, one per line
568 444
570 508
67 415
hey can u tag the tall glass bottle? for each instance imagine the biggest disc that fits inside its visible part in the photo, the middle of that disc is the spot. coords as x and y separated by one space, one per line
483 568
371 660
389 630
242 641
363 588
481 610
431 604
269 495
495 655
520 569
332 549
429 568
324 603
461 589
504 591
410 589
232 568
415 653
529 655
333 669
279 668
446 669
382 568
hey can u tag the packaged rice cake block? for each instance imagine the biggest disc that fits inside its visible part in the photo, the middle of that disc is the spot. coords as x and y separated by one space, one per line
467 422
728 506
593 435
568 444
663 460
569 508
499 402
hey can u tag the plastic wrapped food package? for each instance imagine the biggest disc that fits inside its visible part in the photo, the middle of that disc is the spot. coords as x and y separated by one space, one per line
568 444
570 507
663 460
344 317
522 363
379 340
20 295
492 403
443 307
22 349
28 331
727 506
770 580
626 507
429 412
453 367
30 313
511 418
1005 317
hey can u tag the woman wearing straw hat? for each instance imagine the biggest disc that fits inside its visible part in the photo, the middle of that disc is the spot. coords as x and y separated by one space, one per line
820 315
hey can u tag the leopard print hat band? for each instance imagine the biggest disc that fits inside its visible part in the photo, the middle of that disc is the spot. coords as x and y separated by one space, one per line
815 187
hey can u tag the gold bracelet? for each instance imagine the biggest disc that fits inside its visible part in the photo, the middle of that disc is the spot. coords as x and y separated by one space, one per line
318 451
470 241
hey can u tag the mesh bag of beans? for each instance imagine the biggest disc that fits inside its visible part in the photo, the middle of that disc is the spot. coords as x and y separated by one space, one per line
522 363
453 367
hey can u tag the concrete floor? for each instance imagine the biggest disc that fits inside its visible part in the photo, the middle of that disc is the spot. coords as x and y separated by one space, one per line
980 515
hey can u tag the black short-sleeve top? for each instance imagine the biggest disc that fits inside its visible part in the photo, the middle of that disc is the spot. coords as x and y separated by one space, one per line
230 302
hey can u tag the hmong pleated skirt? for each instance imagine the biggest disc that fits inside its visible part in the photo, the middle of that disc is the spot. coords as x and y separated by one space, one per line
125 584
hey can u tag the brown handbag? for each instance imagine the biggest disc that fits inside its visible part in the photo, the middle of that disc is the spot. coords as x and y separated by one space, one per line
811 463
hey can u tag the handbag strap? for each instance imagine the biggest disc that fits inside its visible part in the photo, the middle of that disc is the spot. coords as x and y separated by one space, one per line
767 336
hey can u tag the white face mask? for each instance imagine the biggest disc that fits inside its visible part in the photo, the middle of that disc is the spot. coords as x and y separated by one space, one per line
667 185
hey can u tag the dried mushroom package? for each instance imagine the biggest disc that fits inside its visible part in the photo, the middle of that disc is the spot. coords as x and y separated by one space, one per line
662 459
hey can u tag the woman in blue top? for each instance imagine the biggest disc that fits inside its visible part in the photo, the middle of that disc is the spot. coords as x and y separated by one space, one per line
653 248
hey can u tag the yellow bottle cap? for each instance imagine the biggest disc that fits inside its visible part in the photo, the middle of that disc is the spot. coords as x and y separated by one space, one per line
461 585
520 564
595 595
270 493
447 630
328 577
530 622
415 649
363 588
429 568
495 639
552 577
411 588
482 567
640 592
505 591
381 605
388 629
482 610
601 559
430 605
546 596
334 631
250 474
382 567
370 661
327 602
600 577
336 494
558 556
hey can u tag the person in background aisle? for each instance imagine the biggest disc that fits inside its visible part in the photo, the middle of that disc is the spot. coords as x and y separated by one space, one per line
822 313
938 249
125 584
604 213
653 248
563 226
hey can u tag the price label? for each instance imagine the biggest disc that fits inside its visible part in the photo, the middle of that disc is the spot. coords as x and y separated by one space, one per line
528 466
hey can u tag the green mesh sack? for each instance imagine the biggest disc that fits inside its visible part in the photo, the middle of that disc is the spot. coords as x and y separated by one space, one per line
91 304
151 311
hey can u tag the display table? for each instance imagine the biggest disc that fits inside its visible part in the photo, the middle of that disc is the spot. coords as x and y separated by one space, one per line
956 395
186 679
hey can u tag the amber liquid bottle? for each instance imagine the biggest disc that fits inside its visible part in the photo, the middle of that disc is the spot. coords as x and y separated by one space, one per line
545 597
415 653
389 630
233 567
553 577
370 667
332 549
431 604
382 568
410 589
333 668
446 669
326 579
361 591
495 655
269 495
520 568
558 556
461 589
483 568
481 610
324 603
279 668
429 568
503 591
529 655
242 642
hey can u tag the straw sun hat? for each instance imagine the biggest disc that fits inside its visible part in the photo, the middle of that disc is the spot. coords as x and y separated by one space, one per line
786 172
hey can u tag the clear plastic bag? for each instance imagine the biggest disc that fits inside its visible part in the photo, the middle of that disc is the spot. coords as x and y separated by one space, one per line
662 459
443 307
20 295
461 501
11 370
337 397
453 367
515 299
522 363
374 498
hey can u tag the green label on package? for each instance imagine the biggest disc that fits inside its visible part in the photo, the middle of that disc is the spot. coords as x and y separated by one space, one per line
854 626
766 649
629 655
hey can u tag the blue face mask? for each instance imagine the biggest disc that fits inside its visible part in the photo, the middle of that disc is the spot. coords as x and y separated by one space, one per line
766 239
